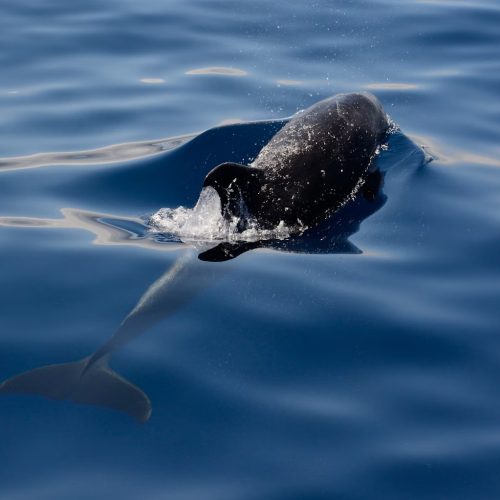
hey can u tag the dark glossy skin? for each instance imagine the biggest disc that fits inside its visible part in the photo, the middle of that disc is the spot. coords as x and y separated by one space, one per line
310 168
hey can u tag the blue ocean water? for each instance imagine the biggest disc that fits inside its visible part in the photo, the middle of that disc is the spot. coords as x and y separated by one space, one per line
365 364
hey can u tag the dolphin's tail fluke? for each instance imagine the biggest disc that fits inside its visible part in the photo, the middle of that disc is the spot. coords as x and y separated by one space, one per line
94 384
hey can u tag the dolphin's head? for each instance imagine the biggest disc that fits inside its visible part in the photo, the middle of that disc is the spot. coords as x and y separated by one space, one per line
238 187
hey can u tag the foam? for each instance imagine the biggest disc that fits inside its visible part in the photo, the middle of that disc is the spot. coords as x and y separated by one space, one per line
204 222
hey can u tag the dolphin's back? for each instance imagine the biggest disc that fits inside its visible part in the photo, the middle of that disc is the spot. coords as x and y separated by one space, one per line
316 161
341 126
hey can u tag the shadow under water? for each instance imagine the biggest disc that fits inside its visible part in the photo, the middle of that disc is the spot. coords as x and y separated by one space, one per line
91 380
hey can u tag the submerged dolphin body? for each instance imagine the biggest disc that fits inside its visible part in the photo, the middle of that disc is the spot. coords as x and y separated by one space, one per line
309 168
90 380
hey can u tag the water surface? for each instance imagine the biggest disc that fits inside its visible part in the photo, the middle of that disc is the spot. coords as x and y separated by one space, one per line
366 368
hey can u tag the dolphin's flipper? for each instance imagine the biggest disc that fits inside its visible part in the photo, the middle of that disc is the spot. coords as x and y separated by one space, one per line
227 250
98 385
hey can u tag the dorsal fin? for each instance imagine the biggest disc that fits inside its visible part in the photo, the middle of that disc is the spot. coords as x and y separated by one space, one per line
234 178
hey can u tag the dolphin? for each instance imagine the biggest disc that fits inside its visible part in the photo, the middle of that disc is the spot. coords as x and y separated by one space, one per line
318 161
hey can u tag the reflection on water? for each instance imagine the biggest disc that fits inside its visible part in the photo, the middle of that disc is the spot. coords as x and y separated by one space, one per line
445 154
391 86
219 70
289 82
108 229
152 81
107 154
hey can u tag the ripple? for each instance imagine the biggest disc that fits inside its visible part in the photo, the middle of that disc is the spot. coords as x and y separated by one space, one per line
289 82
108 229
152 81
108 154
391 86
217 70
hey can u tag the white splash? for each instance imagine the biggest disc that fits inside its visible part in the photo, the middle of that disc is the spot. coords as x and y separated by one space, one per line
205 223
